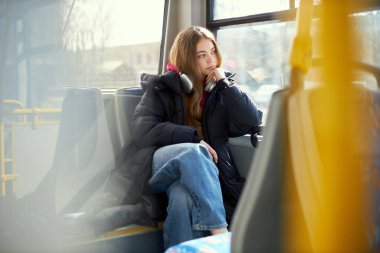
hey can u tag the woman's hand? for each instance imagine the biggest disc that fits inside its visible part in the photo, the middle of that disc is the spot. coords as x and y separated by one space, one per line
215 75
211 151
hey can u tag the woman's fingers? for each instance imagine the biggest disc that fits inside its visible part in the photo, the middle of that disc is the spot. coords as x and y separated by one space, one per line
213 154
211 151
215 75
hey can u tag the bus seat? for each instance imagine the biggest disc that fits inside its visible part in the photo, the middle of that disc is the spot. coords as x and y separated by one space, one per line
84 152
121 180
366 154
126 102
111 112
257 221
119 107
83 157
243 153
119 224
34 157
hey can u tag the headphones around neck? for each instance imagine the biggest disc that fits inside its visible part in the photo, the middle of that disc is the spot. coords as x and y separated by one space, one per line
188 87
186 84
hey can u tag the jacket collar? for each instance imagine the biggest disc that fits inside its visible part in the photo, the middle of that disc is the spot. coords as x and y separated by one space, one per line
171 80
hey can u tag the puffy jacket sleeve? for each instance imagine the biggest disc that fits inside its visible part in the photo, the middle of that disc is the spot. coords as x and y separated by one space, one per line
243 114
151 126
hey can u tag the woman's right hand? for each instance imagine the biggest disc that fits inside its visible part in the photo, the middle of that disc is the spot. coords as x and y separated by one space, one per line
211 151
215 75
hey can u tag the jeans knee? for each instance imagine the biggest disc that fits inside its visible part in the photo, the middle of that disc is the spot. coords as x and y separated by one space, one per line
197 156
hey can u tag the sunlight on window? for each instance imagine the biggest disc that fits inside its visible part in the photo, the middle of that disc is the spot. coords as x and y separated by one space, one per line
99 23
259 58
297 3
239 8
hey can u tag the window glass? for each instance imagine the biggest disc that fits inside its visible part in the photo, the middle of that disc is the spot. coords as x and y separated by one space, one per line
238 8
367 26
92 43
297 2
47 47
260 57
44 25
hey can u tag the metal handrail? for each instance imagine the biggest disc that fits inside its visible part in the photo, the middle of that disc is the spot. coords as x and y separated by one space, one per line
36 113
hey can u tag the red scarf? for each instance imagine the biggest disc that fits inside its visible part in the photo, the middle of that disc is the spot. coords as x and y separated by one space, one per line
171 67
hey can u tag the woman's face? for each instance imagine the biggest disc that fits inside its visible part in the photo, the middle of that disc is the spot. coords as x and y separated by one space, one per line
207 58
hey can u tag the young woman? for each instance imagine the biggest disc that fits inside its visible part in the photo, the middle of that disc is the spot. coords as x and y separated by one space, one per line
188 114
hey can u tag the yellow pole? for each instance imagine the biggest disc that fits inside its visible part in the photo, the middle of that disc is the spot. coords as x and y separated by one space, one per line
339 218
342 211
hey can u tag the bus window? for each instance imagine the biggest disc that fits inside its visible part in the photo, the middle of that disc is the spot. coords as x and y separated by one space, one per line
265 33
259 57
49 47
229 9
103 44
368 27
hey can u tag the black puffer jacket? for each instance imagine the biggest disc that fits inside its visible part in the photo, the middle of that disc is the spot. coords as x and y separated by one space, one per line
159 121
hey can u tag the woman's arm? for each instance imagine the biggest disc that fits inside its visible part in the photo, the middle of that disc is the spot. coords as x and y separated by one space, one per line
151 127
243 114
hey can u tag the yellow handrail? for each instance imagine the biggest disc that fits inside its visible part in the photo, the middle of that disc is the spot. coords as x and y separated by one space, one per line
2 156
12 101
35 112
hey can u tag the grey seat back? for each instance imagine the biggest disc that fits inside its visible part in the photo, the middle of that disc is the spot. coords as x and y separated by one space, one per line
84 149
126 100
258 216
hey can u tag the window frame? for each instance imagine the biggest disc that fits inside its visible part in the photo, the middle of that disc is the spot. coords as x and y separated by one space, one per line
215 24
281 16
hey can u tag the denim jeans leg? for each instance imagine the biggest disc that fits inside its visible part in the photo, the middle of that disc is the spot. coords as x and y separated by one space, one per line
190 164
178 223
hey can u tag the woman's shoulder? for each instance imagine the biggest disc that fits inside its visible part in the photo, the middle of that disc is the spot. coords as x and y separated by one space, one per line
147 80
168 80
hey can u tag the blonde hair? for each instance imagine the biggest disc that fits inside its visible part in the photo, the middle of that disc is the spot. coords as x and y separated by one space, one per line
183 56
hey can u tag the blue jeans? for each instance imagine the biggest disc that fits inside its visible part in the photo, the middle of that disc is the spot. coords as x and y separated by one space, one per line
188 175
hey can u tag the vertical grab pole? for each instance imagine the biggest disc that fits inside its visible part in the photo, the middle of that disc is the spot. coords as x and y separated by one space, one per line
342 213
